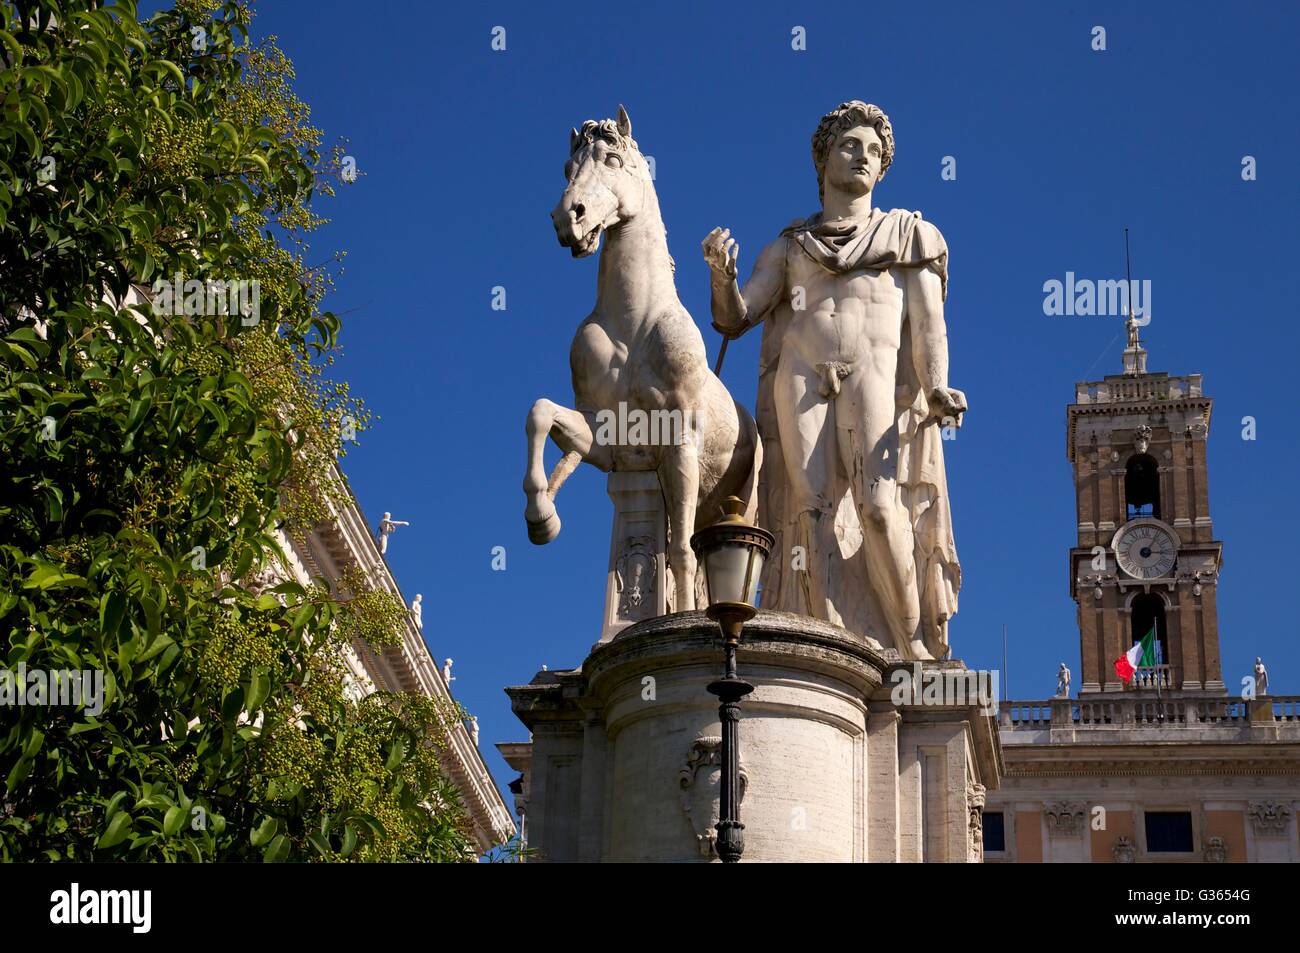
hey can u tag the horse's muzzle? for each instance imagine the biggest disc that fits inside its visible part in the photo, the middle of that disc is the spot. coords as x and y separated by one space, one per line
571 228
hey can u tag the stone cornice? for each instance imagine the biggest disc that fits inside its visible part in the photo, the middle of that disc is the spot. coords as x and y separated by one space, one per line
1151 760
1141 405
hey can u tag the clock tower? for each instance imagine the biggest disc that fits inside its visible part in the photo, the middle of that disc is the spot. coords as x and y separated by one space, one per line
1146 555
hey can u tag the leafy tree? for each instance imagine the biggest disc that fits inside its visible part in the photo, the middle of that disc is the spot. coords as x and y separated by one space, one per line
151 453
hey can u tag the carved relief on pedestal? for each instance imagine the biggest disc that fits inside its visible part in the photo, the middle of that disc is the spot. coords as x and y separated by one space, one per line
1064 818
701 800
635 575
1216 851
1269 818
1123 852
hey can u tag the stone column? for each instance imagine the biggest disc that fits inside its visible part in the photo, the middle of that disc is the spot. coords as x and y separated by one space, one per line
882 783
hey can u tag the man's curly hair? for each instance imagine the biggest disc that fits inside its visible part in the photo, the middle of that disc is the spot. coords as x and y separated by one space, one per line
845 116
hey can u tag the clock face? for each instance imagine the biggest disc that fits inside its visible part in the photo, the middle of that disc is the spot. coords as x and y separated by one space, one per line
1146 549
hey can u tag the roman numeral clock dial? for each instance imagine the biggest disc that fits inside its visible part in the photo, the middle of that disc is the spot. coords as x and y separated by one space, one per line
1146 549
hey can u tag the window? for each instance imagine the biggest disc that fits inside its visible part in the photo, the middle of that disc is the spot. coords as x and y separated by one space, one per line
1142 486
995 836
1149 610
1169 832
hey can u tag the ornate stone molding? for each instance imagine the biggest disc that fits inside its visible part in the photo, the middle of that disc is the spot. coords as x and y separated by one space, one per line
1123 852
1199 578
1269 818
635 574
1216 851
976 794
1096 580
1064 818
1146 767
705 752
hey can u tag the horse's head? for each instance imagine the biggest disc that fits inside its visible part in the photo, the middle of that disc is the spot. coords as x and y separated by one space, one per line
608 183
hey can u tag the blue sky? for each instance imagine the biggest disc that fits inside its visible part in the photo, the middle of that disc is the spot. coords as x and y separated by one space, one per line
1058 147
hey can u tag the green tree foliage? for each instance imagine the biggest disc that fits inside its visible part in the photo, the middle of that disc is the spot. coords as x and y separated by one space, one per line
147 459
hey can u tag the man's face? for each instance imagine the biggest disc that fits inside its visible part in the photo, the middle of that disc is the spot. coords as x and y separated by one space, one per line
853 162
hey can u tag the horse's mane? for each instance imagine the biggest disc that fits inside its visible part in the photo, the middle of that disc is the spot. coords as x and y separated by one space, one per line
606 129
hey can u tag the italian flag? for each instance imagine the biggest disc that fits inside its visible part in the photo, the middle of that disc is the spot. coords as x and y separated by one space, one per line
1142 654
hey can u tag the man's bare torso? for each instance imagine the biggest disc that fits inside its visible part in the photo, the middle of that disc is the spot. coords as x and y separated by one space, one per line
846 317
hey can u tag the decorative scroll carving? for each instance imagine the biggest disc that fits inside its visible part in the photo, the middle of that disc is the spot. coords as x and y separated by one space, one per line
706 753
1269 818
1064 818
1216 851
1123 852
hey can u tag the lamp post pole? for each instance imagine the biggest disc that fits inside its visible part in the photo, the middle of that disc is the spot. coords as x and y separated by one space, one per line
732 553
730 689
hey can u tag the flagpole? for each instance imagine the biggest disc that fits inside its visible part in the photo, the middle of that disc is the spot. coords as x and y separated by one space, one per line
1155 645
1006 673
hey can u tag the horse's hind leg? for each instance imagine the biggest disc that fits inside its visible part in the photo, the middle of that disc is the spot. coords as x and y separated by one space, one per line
573 433
679 477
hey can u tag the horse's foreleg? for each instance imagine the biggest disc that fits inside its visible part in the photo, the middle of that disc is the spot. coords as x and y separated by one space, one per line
679 476
572 432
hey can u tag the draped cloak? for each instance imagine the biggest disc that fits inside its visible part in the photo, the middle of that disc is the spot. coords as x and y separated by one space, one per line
894 239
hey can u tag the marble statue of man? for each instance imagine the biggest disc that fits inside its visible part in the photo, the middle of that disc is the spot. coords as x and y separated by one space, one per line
853 399
386 527
446 672
1063 682
417 610
1261 677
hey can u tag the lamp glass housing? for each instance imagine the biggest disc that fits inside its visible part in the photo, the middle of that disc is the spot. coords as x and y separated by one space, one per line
731 552
732 571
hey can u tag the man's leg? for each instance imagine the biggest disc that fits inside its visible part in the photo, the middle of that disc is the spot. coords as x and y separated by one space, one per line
866 419
806 426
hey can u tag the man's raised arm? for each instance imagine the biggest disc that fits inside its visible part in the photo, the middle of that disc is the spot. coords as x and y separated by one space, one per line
734 311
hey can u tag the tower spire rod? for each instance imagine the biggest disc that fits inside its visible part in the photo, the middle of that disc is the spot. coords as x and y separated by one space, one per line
1135 361
1128 280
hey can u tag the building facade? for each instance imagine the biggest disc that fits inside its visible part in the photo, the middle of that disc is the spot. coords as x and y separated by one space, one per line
346 541
1172 766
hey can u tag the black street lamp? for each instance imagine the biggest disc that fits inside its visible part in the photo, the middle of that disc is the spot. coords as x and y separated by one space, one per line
732 552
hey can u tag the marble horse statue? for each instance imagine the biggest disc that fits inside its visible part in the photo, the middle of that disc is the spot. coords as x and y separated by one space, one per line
644 398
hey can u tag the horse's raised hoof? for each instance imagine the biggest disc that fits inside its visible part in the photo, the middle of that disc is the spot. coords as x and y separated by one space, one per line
545 530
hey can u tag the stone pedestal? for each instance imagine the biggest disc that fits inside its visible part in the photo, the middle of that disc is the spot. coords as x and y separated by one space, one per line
837 763
637 585
1261 710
